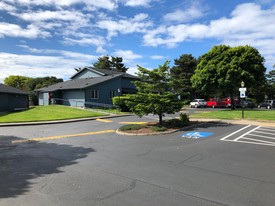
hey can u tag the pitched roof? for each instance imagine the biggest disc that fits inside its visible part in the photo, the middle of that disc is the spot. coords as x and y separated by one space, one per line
12 90
77 83
102 72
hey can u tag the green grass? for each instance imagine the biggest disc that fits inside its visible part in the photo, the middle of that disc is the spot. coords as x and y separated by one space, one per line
251 114
47 113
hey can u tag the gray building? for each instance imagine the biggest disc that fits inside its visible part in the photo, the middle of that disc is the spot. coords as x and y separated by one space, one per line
13 99
88 86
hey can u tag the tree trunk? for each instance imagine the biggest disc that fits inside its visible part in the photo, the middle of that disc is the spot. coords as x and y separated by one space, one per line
160 118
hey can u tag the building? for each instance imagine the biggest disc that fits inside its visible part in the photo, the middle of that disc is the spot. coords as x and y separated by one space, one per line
88 87
13 99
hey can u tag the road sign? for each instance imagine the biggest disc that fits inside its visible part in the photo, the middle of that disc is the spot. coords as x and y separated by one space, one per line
242 92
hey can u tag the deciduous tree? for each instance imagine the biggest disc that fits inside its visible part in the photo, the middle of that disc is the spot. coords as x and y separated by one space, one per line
223 68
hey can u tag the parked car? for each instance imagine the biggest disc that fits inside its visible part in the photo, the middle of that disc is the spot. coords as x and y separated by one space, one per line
245 104
214 102
198 103
227 102
268 104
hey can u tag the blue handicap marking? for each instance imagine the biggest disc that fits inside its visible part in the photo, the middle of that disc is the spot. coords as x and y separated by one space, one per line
197 135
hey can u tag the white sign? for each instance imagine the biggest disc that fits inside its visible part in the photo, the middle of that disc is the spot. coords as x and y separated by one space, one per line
242 92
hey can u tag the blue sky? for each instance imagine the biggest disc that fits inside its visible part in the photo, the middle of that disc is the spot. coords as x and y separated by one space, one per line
50 38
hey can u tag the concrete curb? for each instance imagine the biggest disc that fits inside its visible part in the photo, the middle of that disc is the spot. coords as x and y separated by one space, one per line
61 121
158 133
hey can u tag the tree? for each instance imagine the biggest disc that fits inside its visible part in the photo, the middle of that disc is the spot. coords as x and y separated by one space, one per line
113 63
154 93
223 68
16 81
181 74
270 87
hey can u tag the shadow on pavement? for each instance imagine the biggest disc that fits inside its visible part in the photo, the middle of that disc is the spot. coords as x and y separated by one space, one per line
22 163
204 125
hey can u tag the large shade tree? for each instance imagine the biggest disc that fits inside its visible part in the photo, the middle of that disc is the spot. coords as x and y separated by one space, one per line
223 68
154 93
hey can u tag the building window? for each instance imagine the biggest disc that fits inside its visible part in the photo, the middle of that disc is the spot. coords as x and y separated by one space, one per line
112 94
94 94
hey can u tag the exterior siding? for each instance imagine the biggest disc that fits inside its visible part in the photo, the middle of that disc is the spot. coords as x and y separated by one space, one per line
86 74
11 102
104 91
75 98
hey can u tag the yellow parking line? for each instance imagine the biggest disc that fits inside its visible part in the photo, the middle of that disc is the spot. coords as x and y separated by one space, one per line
61 136
133 122
104 120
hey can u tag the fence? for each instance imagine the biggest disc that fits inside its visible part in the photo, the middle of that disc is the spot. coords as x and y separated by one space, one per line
83 104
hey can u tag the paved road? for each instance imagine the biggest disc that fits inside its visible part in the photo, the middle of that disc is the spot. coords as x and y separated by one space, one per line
87 163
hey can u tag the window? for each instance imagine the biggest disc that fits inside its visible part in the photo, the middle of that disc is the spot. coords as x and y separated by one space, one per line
112 94
94 94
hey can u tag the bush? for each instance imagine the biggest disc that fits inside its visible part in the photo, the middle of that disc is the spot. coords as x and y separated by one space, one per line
158 128
120 102
173 123
184 118
131 127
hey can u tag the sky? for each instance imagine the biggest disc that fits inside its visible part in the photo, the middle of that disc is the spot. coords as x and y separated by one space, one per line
41 38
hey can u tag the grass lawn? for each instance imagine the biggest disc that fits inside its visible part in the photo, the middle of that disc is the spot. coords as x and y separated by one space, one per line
237 114
47 113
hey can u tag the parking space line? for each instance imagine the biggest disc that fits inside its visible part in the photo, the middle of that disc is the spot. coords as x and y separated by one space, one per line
104 120
257 140
258 143
61 136
224 138
246 133
133 122
256 135
264 132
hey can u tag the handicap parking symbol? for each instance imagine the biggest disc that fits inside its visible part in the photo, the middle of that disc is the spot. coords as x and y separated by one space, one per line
197 135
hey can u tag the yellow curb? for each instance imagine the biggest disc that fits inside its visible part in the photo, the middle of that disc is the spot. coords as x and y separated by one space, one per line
61 136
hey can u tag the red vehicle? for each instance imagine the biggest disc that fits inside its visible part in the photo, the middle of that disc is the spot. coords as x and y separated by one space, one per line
227 102
214 102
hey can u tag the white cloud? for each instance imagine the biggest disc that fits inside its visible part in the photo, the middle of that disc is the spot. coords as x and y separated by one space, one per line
137 3
57 63
194 11
6 7
14 30
158 57
127 55
101 4
98 41
248 24
126 26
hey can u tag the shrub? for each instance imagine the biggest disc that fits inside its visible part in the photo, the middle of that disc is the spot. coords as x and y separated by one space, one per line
131 127
120 102
184 118
158 128
173 123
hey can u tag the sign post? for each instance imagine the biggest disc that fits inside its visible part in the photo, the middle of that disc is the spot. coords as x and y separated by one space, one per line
242 96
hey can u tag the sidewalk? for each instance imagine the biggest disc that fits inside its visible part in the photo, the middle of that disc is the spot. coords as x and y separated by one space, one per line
242 121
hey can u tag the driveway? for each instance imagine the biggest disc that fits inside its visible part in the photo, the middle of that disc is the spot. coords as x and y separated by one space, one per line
87 163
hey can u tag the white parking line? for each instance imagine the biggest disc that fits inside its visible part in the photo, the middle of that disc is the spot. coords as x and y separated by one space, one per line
235 132
246 134
257 135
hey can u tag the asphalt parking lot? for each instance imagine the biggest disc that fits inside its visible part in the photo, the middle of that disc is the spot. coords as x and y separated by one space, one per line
87 163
